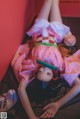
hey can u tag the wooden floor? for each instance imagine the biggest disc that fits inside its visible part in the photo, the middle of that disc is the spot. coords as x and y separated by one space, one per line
9 81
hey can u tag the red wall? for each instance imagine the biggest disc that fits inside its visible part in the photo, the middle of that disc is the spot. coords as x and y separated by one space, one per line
15 17
30 13
12 25
70 9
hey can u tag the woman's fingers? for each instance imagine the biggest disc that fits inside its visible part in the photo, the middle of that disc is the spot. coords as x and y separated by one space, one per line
44 115
46 107
47 114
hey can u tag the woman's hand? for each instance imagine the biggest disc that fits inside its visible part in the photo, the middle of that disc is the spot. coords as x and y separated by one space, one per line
34 117
50 110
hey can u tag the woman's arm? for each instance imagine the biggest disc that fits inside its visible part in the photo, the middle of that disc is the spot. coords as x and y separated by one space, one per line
25 100
71 94
52 108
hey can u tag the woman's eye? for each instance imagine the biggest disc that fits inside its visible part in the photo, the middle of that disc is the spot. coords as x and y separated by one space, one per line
39 71
49 74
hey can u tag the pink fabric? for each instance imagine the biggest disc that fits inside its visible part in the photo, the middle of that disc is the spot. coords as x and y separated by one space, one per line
45 29
72 67
24 66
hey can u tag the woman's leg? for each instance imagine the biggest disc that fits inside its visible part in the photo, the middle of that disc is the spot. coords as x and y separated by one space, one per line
45 10
55 11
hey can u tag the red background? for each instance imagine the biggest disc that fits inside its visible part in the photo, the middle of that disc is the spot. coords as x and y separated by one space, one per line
15 17
70 8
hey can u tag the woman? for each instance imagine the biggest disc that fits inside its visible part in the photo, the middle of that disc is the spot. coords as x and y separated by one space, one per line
45 36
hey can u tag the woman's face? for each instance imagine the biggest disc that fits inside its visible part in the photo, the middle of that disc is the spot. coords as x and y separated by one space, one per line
45 74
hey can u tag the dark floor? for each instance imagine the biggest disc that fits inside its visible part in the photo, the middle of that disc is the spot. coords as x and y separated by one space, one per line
69 111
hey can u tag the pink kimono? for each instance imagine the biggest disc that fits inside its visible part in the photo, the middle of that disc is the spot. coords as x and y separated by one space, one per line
24 61
50 54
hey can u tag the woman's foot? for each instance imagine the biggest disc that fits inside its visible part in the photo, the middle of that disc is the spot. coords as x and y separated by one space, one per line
8 100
